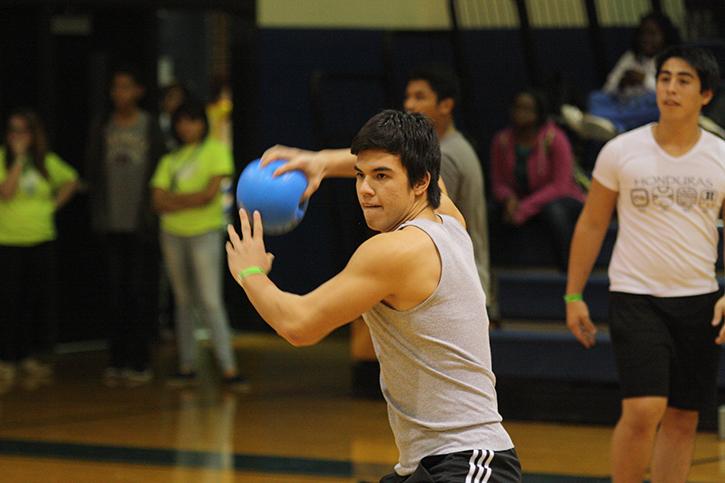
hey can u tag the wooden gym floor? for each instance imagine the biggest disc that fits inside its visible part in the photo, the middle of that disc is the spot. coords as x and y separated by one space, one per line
297 425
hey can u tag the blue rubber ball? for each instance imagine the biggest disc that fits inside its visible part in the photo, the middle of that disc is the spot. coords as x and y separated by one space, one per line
276 198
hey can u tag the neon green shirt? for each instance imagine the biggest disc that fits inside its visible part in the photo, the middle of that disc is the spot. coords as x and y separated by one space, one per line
27 217
188 170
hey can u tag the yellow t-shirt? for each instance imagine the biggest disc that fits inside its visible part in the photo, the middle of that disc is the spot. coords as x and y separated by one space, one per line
188 170
27 218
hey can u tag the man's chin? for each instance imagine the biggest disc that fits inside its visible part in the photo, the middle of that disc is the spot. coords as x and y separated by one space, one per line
374 225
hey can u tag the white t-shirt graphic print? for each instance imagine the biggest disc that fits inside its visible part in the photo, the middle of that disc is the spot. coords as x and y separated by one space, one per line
667 208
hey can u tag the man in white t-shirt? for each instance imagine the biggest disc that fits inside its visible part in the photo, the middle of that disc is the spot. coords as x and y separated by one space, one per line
667 181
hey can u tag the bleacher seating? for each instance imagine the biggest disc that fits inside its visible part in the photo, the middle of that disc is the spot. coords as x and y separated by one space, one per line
530 289
529 285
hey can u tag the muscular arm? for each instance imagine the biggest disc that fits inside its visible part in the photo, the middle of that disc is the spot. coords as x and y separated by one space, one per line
316 165
166 201
305 319
340 163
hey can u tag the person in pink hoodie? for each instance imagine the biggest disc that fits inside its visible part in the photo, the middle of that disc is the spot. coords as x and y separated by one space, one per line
532 172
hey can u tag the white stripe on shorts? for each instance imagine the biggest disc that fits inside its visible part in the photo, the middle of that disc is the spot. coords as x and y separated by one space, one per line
487 467
478 472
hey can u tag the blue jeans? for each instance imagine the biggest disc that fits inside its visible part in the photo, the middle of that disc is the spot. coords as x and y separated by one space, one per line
194 265
625 113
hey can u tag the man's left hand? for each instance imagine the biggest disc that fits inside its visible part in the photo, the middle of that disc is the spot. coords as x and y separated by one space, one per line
718 313
247 251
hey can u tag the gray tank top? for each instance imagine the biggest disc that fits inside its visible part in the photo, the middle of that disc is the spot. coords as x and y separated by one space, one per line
435 359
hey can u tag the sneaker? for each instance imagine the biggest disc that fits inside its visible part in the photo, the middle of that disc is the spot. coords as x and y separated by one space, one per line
182 379
236 383
33 367
112 376
7 371
137 378
6 385
32 383
572 117
598 128
709 125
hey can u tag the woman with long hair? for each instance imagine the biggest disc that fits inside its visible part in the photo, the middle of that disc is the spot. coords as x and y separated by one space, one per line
34 184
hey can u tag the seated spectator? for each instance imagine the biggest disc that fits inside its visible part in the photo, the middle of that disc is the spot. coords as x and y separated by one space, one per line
532 172
627 99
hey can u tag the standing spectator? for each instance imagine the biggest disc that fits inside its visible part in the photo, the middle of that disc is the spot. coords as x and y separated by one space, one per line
172 96
187 194
532 172
122 152
34 184
434 91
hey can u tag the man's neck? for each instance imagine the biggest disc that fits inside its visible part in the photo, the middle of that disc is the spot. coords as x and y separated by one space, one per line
126 115
443 127
525 135
420 210
676 137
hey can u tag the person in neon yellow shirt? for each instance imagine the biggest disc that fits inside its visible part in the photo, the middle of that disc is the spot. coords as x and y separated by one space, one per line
186 192
34 184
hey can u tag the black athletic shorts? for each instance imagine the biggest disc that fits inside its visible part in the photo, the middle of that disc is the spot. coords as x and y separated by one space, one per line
473 466
665 346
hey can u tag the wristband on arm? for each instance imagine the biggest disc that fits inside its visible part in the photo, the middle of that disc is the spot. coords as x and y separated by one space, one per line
248 272
573 297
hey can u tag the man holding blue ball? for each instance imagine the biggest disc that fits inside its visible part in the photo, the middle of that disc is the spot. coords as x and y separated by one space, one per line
416 285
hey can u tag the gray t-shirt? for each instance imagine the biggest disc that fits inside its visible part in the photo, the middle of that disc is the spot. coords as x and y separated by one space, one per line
435 360
462 174
126 165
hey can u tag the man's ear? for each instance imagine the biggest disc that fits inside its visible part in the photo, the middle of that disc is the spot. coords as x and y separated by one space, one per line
446 106
421 186
707 96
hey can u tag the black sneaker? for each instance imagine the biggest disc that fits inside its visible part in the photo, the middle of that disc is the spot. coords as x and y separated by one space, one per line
137 378
182 379
112 376
236 383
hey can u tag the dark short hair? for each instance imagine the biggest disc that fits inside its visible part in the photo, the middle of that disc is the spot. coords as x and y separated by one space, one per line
702 60
190 109
410 136
540 102
442 80
670 34
173 85
129 70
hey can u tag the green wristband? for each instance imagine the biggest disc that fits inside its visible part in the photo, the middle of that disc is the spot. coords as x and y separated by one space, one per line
573 297
253 270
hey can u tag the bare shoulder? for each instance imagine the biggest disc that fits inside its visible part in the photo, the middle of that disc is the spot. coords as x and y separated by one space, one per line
396 250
